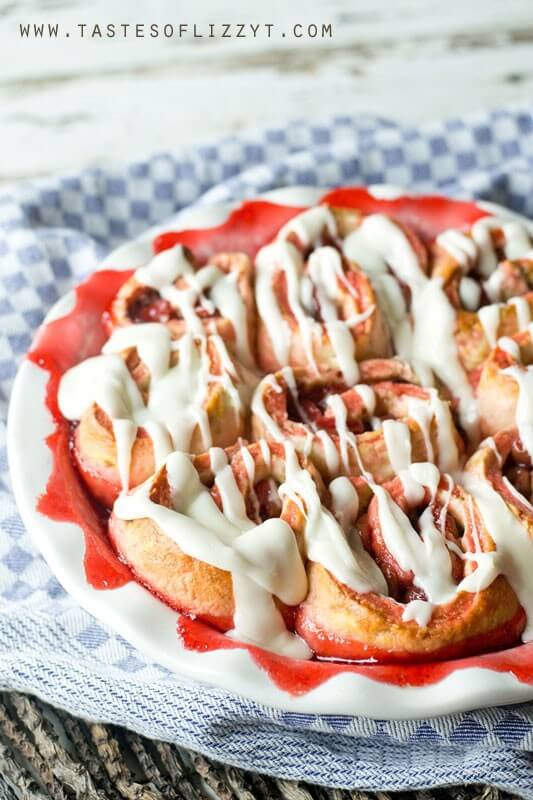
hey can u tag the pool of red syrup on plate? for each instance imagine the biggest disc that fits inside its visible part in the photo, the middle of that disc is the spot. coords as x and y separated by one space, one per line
58 346
64 342
427 215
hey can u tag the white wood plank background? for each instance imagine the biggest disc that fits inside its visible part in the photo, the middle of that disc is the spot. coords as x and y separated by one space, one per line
72 102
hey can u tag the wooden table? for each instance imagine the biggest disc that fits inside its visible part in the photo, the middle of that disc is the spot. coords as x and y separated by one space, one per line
46 753
70 102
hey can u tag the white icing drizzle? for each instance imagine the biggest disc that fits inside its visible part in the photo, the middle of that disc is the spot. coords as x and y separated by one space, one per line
346 437
514 547
448 460
398 444
331 454
321 286
170 265
434 346
287 258
469 293
124 431
345 502
479 247
420 611
325 271
524 405
489 316
309 226
428 475
426 555
325 540
217 459
397 436
368 397
523 312
444 509
517 240
264 559
493 285
459 246
174 408
516 237
424 412
265 451
343 345
510 346
518 496
249 464
368 247
258 407
427 340
379 242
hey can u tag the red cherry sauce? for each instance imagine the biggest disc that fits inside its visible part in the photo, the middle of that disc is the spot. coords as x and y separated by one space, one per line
247 229
58 346
427 215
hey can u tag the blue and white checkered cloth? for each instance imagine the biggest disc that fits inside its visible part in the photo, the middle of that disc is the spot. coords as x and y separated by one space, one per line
52 233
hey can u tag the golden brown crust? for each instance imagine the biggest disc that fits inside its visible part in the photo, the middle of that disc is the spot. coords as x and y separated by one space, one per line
339 622
96 456
185 583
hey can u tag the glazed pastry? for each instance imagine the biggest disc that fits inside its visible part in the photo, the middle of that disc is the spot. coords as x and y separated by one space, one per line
444 596
505 390
448 322
487 274
217 538
491 261
315 309
173 289
491 292
377 427
144 397
498 476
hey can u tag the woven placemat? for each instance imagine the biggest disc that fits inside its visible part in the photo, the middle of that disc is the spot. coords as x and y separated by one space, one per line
46 753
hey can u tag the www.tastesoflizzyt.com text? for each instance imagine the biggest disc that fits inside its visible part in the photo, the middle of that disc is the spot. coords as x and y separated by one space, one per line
169 30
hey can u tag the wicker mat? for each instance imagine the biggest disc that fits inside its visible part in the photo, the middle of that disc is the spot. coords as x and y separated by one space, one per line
46 753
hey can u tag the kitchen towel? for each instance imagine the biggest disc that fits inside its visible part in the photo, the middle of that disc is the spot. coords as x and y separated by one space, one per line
53 232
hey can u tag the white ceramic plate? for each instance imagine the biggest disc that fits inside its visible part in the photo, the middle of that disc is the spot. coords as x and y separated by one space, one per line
150 625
